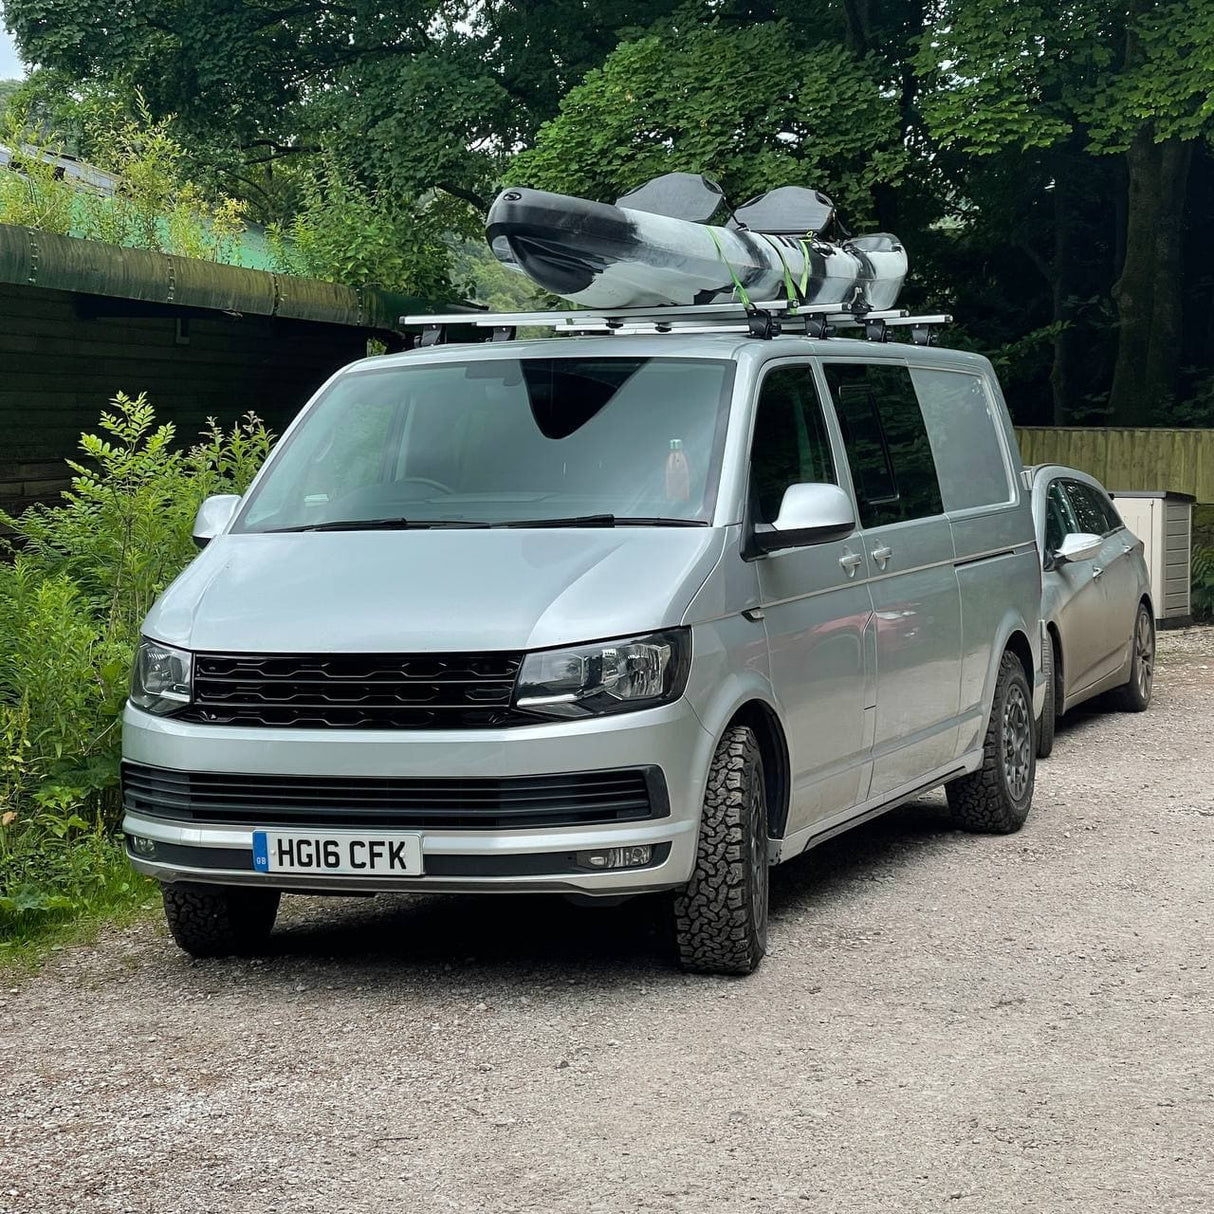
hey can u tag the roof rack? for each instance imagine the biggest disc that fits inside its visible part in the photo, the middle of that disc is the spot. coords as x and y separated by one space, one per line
761 320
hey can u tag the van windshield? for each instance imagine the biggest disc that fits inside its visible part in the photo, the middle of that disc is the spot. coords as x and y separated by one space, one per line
503 442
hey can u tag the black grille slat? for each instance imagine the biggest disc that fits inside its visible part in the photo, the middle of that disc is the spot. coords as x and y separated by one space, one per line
470 804
356 691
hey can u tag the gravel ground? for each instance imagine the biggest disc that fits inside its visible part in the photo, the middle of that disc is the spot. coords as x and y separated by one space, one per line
945 1022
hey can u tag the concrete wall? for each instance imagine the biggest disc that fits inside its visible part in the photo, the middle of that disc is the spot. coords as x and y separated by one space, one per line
60 363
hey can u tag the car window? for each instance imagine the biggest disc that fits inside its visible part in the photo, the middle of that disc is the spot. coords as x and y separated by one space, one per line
1112 518
790 445
886 440
961 421
1059 522
1089 515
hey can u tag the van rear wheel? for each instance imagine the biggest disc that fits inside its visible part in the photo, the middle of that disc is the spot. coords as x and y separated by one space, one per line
995 799
220 920
720 917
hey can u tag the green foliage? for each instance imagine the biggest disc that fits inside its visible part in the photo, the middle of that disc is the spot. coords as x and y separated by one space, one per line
1203 583
347 232
84 573
7 89
1042 71
425 96
155 206
746 106
30 194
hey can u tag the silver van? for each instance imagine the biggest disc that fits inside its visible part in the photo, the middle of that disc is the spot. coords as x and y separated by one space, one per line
600 616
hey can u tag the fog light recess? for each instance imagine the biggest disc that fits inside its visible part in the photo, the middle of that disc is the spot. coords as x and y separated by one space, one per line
141 846
616 857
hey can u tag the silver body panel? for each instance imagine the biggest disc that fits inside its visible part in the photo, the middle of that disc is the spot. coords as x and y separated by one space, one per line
879 674
1090 607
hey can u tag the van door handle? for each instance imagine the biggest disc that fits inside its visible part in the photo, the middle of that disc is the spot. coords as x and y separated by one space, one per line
1096 572
1127 549
851 561
882 554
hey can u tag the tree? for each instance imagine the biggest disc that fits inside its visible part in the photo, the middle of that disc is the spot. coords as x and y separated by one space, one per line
428 95
745 105
1100 79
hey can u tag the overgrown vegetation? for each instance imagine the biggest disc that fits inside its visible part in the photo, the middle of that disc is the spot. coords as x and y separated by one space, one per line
154 206
82 575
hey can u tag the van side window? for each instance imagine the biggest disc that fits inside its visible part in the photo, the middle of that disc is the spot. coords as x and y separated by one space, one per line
886 440
1087 509
960 418
790 444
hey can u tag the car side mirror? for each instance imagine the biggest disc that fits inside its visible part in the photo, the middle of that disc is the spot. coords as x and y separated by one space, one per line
809 514
1078 546
213 516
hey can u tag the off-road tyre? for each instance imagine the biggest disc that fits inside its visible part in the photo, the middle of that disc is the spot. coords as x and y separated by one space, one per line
720 917
1050 676
1135 695
995 799
220 920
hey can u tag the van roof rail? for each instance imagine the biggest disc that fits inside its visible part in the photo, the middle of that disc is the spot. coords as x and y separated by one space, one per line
762 320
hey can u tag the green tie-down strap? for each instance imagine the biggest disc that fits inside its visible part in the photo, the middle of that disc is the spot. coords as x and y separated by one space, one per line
793 297
737 283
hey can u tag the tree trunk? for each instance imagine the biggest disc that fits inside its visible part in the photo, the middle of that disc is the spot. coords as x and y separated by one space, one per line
1149 292
1064 372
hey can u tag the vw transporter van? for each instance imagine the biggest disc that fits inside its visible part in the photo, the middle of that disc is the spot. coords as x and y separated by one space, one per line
644 612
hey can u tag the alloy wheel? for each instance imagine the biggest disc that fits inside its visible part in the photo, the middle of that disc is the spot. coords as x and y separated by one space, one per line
1144 646
1017 741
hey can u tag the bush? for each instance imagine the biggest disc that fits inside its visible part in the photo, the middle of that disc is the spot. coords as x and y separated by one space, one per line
1203 583
83 574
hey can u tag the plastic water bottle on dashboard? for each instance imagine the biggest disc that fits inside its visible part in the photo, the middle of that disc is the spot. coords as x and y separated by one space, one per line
678 473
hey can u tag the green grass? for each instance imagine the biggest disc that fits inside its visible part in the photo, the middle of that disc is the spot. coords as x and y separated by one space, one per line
97 889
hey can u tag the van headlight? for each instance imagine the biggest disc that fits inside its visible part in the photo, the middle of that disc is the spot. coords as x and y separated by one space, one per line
609 676
162 677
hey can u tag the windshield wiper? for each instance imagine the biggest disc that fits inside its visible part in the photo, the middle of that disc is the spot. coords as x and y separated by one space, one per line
603 520
377 524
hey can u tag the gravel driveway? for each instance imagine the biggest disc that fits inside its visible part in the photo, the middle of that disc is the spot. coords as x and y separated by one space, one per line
945 1022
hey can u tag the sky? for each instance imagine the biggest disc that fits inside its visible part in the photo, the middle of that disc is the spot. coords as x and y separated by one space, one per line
10 65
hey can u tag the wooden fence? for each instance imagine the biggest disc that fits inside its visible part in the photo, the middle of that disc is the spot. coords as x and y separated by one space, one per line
1181 461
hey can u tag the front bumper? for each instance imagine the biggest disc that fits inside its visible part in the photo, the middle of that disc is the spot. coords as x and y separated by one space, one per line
669 738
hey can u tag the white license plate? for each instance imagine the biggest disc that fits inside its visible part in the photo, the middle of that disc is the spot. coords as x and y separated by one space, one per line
348 853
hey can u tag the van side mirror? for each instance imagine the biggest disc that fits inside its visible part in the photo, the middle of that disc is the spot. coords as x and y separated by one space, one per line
1078 546
809 514
213 516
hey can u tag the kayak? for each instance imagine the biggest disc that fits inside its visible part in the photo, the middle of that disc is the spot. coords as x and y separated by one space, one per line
604 255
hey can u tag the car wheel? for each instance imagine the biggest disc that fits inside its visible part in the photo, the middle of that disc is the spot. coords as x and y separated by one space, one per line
995 799
720 917
1135 695
220 920
1049 712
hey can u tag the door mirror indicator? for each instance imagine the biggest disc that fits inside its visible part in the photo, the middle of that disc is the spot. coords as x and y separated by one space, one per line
1078 546
809 514
213 516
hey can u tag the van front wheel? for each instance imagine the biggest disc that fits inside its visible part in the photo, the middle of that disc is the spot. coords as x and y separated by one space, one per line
220 920
995 799
720 917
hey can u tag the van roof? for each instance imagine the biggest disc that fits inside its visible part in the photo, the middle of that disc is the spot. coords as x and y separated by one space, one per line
730 347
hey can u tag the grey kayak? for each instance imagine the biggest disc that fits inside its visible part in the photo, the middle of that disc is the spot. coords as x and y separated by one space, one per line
602 255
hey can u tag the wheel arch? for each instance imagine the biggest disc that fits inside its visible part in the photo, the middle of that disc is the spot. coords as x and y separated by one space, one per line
762 721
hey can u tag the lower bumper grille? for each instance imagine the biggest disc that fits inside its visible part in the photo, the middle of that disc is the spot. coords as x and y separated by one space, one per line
507 803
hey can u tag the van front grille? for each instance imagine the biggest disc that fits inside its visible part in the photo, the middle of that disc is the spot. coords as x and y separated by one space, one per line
505 803
356 691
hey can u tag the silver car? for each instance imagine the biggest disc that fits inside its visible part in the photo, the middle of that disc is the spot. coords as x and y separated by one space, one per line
1095 598
596 616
